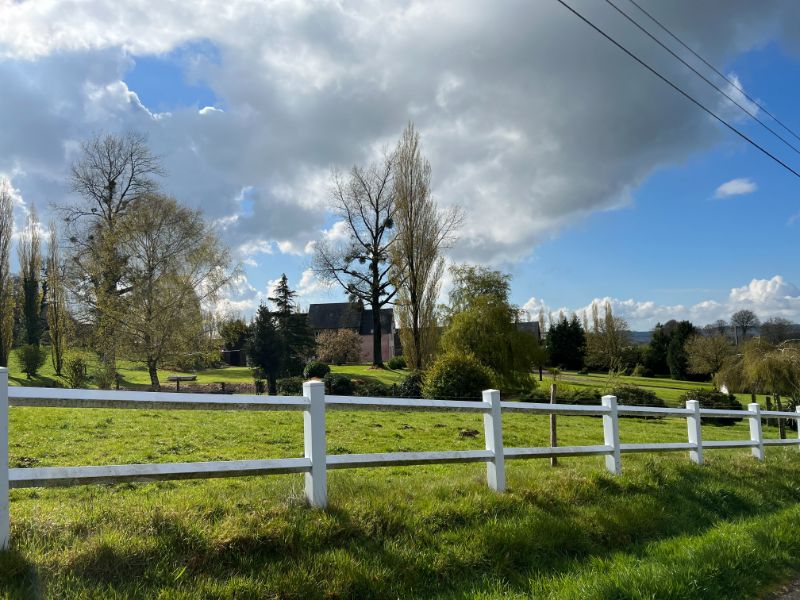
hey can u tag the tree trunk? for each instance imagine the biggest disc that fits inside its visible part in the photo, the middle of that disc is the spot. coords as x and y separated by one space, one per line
152 369
781 420
377 358
272 384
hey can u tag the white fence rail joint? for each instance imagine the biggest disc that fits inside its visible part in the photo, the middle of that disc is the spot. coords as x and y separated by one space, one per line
315 463
611 434
493 427
693 422
756 436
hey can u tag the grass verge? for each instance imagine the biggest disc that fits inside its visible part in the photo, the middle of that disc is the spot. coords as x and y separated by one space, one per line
664 529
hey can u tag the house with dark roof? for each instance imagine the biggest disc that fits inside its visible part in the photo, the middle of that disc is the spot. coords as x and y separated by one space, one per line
349 315
531 327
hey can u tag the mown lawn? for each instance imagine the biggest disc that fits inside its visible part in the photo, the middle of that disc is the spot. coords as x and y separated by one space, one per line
134 374
670 390
664 529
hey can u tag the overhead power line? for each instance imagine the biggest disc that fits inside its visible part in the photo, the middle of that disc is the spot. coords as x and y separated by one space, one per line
713 68
680 90
701 76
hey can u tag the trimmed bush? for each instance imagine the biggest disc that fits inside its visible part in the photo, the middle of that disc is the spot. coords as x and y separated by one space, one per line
290 386
396 362
457 377
198 361
338 385
632 395
338 346
715 399
316 368
410 386
582 396
583 371
373 388
32 357
76 372
641 371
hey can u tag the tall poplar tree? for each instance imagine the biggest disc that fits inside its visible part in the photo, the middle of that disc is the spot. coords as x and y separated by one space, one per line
30 266
422 232
6 283
58 319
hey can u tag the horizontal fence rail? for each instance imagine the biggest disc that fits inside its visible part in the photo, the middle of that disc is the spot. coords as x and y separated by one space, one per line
315 463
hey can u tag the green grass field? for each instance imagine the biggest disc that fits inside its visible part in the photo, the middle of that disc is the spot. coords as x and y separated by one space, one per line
663 529
135 375
670 390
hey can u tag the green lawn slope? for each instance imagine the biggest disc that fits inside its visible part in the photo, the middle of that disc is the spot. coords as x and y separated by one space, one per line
663 529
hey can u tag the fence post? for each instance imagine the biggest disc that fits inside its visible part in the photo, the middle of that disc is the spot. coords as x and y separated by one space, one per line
693 421
553 425
493 428
314 429
755 430
5 521
611 434
797 410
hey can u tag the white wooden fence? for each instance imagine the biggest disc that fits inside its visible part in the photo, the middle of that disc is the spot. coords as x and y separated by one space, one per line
315 463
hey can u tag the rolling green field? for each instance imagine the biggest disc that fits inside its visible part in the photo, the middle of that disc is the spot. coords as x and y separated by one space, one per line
135 375
663 529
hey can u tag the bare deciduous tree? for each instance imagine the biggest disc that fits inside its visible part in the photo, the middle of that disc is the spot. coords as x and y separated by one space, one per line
6 283
743 321
58 318
608 338
720 327
777 329
361 264
112 174
422 232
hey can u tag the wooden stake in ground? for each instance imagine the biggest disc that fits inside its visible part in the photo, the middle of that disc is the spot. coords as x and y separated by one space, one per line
553 436
781 420
769 405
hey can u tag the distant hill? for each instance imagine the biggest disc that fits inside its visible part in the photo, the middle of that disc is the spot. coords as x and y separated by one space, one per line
641 337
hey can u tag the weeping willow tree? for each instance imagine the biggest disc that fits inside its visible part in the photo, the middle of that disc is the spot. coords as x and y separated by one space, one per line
174 263
422 232
765 368
483 322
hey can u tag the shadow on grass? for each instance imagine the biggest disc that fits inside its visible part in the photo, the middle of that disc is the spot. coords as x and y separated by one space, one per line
17 576
35 381
377 545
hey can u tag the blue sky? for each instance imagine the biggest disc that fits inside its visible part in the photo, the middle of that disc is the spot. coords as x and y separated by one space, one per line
578 172
675 242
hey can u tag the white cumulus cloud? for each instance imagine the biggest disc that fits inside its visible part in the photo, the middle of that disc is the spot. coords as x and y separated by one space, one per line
774 297
736 187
